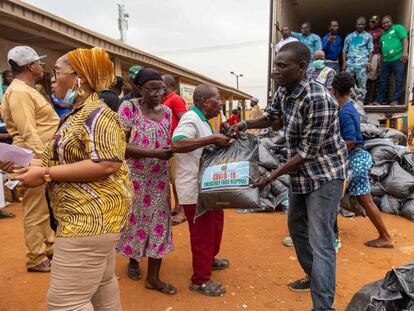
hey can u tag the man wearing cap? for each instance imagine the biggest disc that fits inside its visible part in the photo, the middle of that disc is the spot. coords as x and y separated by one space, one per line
394 48
31 121
255 113
376 32
132 72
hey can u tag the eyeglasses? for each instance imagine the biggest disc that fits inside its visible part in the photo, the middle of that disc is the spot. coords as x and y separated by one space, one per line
153 92
57 73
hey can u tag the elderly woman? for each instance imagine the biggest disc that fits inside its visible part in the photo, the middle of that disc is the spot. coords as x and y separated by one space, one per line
88 186
147 124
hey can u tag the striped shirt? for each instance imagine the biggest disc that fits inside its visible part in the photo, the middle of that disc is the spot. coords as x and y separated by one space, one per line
310 118
90 132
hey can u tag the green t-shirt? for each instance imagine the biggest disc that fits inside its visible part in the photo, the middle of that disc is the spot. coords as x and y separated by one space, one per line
391 45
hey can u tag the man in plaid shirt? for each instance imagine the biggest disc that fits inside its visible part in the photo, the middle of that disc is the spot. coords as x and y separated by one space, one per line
317 165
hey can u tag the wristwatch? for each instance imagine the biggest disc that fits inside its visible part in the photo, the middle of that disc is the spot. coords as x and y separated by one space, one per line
47 176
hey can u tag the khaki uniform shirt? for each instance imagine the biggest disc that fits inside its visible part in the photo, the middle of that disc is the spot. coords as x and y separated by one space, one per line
29 117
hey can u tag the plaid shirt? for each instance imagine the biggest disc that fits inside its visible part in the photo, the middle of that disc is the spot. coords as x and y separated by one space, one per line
310 119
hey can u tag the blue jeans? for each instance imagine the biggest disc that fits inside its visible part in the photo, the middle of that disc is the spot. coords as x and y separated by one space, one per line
311 225
397 68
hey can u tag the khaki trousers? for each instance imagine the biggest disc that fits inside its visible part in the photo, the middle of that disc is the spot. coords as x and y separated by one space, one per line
38 235
82 277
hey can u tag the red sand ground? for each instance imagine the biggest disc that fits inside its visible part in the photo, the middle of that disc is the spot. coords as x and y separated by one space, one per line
256 280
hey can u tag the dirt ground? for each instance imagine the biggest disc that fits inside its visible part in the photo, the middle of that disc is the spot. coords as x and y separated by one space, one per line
256 280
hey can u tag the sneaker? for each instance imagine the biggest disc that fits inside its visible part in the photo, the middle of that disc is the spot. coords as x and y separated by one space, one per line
302 285
287 241
337 245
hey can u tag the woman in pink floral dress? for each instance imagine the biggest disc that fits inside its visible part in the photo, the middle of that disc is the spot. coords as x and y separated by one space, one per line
147 123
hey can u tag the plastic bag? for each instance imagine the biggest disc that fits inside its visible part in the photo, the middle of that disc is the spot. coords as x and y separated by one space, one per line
407 161
381 154
226 173
369 144
377 190
407 210
393 134
395 292
370 131
390 204
380 171
399 183
267 158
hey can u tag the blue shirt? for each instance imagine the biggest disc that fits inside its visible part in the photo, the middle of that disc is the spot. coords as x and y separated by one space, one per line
56 101
313 42
357 46
332 50
350 123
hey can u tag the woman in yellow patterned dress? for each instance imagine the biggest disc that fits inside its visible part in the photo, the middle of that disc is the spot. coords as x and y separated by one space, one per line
84 166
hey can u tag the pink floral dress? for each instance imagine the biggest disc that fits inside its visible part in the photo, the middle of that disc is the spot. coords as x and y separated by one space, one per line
149 232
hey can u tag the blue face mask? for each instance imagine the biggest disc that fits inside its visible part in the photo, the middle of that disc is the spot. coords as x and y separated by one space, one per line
318 64
71 95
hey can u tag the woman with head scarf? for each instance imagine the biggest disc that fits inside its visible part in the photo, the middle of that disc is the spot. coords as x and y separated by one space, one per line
88 186
147 124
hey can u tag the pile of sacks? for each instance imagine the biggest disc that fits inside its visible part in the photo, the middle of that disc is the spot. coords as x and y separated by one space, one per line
392 176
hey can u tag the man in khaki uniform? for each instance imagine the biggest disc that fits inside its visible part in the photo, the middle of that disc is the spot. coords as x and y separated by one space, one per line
256 113
31 121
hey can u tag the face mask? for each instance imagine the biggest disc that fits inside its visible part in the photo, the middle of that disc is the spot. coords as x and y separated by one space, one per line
71 95
319 64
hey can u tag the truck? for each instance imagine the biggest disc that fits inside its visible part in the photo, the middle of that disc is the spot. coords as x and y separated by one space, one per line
320 12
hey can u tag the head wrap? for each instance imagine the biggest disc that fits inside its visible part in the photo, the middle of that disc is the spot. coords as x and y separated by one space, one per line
145 75
93 65
133 70
374 18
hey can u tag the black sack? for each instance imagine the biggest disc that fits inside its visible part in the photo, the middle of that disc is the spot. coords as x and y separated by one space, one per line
395 292
390 205
226 173
399 183
407 210
408 162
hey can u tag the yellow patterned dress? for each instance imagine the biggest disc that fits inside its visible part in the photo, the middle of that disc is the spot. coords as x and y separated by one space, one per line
90 132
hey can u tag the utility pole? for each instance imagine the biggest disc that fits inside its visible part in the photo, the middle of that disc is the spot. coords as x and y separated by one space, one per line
237 78
122 21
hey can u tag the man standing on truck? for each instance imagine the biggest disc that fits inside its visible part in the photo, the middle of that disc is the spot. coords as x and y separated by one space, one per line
332 46
317 166
376 32
357 53
321 73
394 47
286 38
311 40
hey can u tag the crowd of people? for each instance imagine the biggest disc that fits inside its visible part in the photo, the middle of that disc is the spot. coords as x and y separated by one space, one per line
99 182
371 57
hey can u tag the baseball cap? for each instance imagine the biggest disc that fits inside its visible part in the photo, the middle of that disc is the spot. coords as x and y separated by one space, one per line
374 18
23 55
133 70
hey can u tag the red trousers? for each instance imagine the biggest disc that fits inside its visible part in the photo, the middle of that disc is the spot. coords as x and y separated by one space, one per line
205 239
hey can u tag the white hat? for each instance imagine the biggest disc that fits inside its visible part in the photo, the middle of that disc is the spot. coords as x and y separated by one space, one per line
23 55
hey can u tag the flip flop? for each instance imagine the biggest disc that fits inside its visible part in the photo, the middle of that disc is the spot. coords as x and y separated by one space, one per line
178 219
374 244
165 288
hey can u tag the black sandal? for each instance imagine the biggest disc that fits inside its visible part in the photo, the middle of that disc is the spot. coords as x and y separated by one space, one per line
220 264
134 272
6 214
209 288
